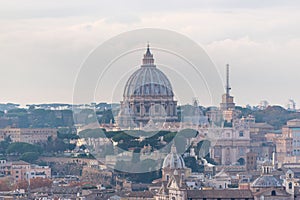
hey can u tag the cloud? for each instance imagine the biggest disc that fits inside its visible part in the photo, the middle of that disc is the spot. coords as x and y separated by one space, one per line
26 9
42 45
260 69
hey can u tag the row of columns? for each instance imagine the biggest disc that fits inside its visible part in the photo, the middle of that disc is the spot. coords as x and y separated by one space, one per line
164 108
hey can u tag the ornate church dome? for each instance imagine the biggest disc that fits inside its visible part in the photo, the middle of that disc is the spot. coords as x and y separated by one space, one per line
173 160
148 99
148 80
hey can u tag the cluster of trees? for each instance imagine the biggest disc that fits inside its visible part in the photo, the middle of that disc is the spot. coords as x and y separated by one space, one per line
202 149
129 139
38 118
276 116
22 147
21 150
31 152
87 116
93 133
192 163
146 177
60 144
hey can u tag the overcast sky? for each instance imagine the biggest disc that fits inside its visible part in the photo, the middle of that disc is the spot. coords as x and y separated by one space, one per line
43 43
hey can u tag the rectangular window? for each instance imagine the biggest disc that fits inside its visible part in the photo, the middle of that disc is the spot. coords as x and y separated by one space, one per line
217 151
241 134
241 151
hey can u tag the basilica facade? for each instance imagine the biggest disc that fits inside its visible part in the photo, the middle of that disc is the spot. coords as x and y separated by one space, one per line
148 98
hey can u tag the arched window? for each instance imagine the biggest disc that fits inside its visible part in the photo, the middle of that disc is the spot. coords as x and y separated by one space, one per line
290 185
273 193
241 161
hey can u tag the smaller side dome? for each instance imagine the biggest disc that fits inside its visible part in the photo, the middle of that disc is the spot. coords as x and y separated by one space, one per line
266 181
173 160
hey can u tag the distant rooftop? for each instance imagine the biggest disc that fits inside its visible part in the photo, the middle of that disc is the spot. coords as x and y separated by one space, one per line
262 125
293 123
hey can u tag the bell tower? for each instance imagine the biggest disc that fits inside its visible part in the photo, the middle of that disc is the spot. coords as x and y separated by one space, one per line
227 106
289 182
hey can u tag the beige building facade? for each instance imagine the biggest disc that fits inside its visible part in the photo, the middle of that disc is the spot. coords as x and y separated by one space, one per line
288 143
232 145
28 135
20 170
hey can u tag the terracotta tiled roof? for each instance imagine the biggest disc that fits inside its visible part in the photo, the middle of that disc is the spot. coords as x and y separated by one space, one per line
267 192
262 125
213 194
146 194
20 162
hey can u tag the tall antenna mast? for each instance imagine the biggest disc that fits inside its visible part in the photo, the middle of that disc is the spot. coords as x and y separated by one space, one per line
227 81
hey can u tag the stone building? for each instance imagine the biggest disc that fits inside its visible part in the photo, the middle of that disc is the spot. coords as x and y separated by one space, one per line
251 161
288 143
20 170
221 180
232 144
259 143
28 135
148 97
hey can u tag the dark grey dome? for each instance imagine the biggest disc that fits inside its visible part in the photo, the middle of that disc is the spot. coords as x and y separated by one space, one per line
148 80
266 181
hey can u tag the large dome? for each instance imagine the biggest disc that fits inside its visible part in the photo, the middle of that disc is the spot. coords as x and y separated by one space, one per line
148 80
148 99
173 160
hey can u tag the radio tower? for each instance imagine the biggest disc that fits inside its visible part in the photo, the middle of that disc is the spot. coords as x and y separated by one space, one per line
228 88
227 100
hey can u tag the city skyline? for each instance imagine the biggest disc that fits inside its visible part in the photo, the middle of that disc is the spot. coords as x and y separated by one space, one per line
168 100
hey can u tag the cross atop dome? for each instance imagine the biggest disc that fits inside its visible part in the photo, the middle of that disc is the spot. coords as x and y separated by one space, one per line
148 57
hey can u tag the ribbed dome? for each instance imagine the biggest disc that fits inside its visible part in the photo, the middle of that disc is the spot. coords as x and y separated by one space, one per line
173 160
148 80
266 181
